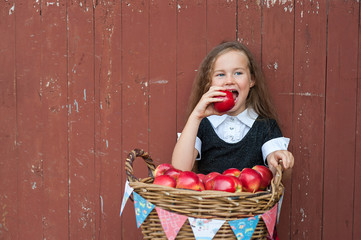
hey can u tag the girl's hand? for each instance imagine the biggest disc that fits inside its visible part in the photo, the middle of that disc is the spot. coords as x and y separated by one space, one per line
205 108
283 157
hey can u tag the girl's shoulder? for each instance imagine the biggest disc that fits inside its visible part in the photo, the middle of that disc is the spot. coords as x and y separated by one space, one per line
270 122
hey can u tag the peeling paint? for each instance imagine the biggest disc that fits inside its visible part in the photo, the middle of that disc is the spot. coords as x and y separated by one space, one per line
84 94
53 4
74 69
159 82
288 4
101 203
76 105
306 94
303 214
12 9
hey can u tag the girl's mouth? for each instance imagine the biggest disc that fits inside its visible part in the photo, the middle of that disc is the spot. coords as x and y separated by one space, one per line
235 94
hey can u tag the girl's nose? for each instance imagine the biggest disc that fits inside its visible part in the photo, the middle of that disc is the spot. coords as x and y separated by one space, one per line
229 79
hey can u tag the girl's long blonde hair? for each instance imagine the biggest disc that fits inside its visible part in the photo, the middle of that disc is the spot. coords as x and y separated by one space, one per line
258 97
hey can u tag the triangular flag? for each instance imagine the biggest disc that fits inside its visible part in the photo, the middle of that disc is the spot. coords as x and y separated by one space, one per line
269 219
127 191
205 229
279 206
244 228
171 222
142 208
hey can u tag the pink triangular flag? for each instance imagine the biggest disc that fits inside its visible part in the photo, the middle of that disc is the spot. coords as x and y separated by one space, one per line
171 222
269 219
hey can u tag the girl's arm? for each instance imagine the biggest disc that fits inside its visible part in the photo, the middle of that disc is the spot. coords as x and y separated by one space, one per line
184 153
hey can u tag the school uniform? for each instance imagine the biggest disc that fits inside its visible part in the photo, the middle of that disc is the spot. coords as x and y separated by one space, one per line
238 141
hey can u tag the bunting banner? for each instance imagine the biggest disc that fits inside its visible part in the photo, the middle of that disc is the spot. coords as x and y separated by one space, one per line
127 191
244 228
269 219
279 206
171 222
142 208
205 229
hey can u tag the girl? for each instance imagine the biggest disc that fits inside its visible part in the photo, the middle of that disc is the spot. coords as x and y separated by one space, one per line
245 136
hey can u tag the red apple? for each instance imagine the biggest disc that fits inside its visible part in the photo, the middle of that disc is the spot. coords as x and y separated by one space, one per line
188 180
201 186
208 180
250 180
201 177
266 175
224 183
161 168
232 172
165 180
227 103
173 172
238 184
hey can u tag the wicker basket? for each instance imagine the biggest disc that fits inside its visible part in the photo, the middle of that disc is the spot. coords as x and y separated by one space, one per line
205 204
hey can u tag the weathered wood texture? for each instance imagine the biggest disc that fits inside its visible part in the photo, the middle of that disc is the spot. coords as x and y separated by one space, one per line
84 82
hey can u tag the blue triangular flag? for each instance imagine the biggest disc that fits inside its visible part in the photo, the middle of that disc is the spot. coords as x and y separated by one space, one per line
142 208
244 228
205 229
127 191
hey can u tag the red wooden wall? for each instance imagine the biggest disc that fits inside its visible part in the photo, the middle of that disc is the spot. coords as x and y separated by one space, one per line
84 82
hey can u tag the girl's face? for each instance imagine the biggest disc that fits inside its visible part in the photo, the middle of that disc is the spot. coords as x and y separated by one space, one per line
231 72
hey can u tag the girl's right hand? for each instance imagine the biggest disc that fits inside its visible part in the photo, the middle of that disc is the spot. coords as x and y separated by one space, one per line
205 108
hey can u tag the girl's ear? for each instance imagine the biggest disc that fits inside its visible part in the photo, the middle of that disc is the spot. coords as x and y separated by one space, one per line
251 84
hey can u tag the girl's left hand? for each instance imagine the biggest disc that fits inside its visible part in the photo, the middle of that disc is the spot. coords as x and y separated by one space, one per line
280 156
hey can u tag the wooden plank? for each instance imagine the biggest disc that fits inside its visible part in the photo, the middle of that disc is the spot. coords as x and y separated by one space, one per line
81 117
108 118
308 118
191 49
277 65
30 122
135 80
357 183
162 83
340 123
249 27
221 22
8 161
53 93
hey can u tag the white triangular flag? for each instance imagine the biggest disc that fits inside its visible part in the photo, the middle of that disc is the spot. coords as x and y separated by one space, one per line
127 191
205 229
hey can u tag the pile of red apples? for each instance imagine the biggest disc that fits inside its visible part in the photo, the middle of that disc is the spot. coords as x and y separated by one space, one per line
231 180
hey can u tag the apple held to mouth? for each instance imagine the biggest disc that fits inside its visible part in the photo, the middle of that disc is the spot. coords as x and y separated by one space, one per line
250 180
165 180
266 175
227 103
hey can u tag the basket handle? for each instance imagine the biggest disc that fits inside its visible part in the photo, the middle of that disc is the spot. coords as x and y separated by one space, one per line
278 176
129 164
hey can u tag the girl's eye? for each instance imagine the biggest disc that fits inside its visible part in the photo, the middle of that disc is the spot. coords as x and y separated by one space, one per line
238 73
220 75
